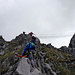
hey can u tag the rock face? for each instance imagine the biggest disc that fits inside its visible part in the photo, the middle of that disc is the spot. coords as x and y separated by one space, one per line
72 46
72 42
2 45
64 49
50 46
1 41
24 68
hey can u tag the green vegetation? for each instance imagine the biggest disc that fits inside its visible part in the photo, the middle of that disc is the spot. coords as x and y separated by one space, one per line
10 54
58 59
63 70
4 70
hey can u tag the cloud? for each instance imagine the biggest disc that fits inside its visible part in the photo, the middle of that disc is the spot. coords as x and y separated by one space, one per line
40 16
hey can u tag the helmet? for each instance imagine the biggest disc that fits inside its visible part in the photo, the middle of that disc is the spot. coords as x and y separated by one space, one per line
33 37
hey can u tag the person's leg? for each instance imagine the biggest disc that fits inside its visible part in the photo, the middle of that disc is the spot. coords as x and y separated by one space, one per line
31 59
34 55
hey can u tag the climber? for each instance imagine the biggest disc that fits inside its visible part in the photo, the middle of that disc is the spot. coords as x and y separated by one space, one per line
31 33
31 49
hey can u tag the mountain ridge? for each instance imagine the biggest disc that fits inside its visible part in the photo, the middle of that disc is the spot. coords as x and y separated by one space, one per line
50 60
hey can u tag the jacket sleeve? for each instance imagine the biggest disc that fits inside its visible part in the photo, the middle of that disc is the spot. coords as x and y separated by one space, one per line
34 41
26 48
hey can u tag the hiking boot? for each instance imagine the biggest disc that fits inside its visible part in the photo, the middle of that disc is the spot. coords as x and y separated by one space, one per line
32 69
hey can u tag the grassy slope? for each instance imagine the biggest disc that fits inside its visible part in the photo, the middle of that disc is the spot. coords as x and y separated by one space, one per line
54 55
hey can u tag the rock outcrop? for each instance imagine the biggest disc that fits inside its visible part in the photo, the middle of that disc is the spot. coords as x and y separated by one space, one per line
24 68
72 42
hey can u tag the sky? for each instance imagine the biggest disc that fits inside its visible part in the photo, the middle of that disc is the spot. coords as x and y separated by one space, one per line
43 17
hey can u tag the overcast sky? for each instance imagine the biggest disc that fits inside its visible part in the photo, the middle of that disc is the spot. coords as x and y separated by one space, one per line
43 17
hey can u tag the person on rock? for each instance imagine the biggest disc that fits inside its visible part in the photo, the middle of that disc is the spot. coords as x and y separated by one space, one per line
31 50
31 33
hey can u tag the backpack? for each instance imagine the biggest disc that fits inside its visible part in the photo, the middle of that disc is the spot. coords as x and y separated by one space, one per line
31 45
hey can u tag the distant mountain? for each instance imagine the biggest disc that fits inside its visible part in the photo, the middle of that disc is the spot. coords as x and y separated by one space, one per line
49 60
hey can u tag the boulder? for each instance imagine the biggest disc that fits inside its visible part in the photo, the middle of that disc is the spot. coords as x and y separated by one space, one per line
24 68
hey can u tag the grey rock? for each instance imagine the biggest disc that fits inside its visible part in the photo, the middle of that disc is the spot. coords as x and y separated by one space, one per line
50 46
73 52
64 49
49 67
19 47
24 68
2 53
50 64
1 39
72 42
58 72
6 63
8 73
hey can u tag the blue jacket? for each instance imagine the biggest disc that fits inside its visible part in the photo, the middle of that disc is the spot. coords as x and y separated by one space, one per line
29 46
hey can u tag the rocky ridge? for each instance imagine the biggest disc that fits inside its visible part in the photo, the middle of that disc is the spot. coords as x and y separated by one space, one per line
49 60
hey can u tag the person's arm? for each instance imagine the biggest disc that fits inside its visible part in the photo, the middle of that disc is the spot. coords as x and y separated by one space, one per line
26 48
34 41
